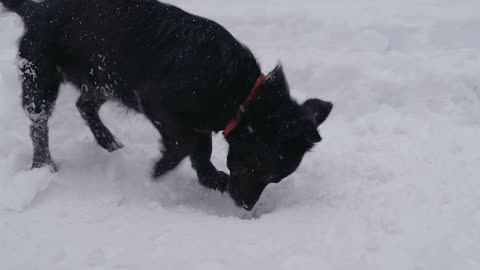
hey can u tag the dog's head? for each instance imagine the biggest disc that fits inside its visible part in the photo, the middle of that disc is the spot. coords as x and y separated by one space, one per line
271 139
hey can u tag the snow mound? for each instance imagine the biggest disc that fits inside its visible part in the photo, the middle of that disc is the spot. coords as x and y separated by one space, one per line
17 192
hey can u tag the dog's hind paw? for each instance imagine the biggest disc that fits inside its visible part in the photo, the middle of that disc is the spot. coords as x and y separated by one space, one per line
114 146
108 142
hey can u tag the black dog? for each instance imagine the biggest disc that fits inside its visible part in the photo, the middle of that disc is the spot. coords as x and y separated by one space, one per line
187 74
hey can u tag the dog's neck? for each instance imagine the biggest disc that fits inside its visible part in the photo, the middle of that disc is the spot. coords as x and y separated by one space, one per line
232 125
268 108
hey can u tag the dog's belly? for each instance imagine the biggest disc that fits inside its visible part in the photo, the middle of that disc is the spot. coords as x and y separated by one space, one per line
100 81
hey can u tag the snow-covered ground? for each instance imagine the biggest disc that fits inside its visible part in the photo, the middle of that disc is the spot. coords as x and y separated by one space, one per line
394 185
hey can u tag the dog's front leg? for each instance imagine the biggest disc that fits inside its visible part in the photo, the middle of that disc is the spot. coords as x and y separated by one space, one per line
207 174
177 144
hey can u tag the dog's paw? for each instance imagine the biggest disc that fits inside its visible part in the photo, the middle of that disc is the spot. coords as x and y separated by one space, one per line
37 164
114 146
217 180
109 142
163 166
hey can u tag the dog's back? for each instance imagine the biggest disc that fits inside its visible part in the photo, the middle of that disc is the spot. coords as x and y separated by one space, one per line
128 48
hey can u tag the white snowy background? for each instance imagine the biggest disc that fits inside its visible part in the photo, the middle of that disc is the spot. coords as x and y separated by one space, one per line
394 185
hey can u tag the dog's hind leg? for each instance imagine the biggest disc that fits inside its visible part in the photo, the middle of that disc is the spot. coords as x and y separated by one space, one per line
41 82
207 174
88 105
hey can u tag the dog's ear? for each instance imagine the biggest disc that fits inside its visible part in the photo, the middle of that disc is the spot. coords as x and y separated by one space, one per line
278 80
312 135
318 110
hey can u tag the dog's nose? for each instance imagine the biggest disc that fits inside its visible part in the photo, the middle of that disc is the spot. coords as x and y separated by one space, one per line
248 207
329 106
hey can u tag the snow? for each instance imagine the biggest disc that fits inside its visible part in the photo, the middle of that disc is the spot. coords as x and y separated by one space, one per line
393 185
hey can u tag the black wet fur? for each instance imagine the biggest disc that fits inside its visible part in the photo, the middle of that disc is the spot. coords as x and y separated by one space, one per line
186 74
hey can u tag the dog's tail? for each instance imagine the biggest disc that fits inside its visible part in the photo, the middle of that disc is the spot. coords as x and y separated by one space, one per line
25 8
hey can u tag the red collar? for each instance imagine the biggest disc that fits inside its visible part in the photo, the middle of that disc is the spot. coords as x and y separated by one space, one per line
234 122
